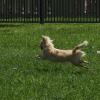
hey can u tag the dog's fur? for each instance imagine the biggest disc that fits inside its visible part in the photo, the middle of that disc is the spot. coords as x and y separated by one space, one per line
74 56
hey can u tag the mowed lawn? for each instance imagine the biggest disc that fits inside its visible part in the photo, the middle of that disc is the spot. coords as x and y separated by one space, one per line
25 77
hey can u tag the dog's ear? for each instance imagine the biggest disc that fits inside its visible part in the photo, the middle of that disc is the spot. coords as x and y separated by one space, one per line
43 36
52 40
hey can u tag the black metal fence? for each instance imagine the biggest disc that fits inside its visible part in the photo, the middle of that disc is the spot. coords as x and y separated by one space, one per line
52 11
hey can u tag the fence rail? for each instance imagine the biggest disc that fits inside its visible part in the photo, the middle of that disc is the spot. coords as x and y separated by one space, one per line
52 11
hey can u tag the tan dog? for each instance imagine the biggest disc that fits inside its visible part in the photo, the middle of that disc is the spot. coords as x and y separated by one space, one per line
50 52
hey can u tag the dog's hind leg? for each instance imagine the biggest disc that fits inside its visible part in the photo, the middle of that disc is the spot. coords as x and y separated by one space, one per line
80 64
84 61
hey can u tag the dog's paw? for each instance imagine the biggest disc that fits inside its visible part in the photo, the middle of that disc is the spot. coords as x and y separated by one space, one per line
37 56
86 62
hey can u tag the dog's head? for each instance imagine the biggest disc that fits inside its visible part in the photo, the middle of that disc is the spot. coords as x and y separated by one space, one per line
46 42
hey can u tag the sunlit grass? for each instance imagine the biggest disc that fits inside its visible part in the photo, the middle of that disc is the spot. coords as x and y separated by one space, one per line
24 77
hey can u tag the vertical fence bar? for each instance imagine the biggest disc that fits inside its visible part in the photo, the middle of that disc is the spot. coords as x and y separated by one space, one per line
83 10
45 10
96 12
11 11
99 10
50 11
20 10
2 10
36 10
65 12
6 10
24 11
79 11
21 7
74 13
18 7
77 8
32 9
62 6
54 15
41 11
7 6
62 10
57 7
15 10
91 13
93 9
68 10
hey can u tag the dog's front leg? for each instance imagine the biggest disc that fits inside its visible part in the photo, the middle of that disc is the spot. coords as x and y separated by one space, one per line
41 56
38 56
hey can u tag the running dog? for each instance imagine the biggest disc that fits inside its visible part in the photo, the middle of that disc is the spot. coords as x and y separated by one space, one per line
75 56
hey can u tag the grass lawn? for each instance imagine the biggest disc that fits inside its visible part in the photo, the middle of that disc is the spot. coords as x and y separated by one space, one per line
24 77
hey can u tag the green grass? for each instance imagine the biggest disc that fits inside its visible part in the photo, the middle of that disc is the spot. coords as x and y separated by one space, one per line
24 77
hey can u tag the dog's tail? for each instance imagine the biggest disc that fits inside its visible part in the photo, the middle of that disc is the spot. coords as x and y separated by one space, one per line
79 46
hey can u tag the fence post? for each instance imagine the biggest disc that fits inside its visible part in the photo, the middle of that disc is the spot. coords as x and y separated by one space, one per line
41 11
